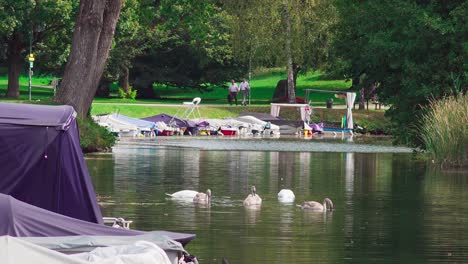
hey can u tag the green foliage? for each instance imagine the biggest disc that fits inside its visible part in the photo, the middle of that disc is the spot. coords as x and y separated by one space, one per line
445 130
259 33
191 50
130 94
94 137
414 50
135 33
48 25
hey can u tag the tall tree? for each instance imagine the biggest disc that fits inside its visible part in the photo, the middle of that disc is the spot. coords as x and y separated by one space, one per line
92 39
136 32
416 52
189 48
282 33
25 24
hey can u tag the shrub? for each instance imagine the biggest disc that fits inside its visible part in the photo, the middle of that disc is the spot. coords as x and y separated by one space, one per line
444 130
94 138
130 94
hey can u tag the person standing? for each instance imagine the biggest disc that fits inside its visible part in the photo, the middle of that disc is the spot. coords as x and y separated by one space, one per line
244 88
233 90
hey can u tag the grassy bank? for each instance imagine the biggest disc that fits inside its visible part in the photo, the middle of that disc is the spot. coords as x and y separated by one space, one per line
445 131
94 137
263 85
214 103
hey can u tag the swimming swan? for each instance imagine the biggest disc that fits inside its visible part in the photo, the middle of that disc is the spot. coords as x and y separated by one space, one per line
185 194
286 196
253 198
203 198
327 205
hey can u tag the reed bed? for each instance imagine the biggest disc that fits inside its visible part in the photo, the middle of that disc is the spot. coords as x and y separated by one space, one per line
445 131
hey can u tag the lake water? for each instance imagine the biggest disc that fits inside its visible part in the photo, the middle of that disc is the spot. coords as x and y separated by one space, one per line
390 207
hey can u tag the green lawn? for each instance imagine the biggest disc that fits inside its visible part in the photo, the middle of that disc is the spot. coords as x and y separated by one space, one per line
37 93
263 84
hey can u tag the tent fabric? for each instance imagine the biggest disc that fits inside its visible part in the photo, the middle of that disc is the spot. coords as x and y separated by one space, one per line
350 97
20 219
59 117
304 109
42 161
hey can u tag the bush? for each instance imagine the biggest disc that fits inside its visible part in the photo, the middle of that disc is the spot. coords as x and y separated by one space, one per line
94 138
130 94
444 130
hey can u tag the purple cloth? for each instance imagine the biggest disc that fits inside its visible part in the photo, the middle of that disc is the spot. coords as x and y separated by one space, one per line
168 119
316 127
20 219
41 160
203 124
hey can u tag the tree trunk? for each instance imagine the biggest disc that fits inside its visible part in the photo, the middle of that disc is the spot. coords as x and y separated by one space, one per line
296 70
123 80
362 99
14 52
92 38
290 71
355 84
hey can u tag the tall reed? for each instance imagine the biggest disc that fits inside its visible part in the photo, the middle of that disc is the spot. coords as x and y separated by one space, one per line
445 130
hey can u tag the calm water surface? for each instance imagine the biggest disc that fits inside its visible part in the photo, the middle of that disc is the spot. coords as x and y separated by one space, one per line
390 206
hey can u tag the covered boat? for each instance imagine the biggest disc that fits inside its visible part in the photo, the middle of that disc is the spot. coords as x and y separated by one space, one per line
145 127
42 161
259 126
20 219
168 123
122 128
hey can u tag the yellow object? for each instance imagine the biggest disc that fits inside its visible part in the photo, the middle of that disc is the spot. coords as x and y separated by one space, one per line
31 57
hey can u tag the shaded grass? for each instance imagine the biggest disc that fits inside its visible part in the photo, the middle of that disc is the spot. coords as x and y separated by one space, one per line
263 85
445 131
37 93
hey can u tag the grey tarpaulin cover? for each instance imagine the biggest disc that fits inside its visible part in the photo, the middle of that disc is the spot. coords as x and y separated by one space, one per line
24 220
42 162
88 243
16 251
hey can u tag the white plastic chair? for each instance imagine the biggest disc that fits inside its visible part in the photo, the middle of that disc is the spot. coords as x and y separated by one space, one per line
192 108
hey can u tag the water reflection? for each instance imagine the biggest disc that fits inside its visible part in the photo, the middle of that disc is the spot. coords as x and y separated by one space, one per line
390 208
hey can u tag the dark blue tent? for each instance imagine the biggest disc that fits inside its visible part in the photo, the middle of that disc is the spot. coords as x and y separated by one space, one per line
41 160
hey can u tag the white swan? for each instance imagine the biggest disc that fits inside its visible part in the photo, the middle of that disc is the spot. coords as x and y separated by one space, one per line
286 196
203 198
253 198
327 205
183 195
